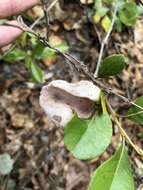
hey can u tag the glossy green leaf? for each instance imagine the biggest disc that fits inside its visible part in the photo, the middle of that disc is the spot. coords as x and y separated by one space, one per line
15 55
136 114
6 164
114 174
37 73
128 13
83 138
112 65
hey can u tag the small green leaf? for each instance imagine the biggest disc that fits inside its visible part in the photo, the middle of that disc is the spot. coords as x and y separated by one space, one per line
23 39
83 138
128 14
42 52
106 22
112 65
118 25
63 47
140 9
37 73
114 174
15 55
102 11
6 164
96 18
136 114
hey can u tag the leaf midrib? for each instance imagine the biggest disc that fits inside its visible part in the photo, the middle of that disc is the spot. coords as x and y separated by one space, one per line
117 165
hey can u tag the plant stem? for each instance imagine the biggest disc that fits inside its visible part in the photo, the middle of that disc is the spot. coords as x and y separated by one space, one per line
105 41
78 65
103 103
123 132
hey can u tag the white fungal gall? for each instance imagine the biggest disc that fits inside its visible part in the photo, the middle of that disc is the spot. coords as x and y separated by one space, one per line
60 99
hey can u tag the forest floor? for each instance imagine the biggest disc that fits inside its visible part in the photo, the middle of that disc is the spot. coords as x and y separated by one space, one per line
41 159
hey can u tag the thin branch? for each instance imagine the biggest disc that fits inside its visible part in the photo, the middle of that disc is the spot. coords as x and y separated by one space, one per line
105 41
123 132
41 17
44 4
130 115
78 65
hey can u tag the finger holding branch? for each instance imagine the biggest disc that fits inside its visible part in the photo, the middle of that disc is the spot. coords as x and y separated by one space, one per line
9 8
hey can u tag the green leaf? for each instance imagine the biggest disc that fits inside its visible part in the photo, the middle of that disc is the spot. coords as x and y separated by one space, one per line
140 9
63 47
23 39
114 174
118 25
42 52
112 65
106 22
37 73
6 164
102 11
134 112
38 50
15 55
83 138
128 14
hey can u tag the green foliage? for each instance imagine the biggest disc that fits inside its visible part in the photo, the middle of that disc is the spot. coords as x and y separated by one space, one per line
31 58
128 14
114 174
83 138
14 55
112 65
42 52
106 22
6 164
136 114
37 73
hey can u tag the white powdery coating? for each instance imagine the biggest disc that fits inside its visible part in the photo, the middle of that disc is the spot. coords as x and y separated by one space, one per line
58 112
59 99
83 89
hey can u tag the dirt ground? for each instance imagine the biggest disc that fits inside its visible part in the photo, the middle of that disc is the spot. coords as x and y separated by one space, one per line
41 159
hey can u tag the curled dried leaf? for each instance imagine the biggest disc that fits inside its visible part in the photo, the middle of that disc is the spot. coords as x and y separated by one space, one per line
60 99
